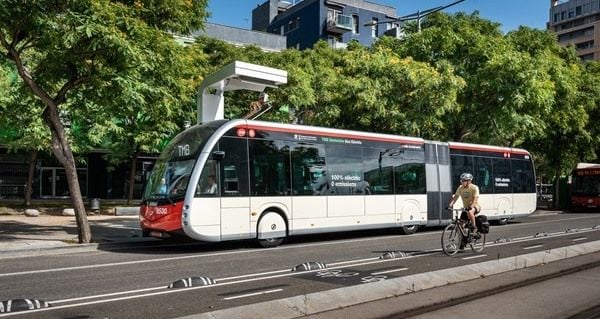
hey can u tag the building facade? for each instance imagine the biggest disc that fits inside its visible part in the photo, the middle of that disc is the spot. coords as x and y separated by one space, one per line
267 42
577 23
336 21
98 178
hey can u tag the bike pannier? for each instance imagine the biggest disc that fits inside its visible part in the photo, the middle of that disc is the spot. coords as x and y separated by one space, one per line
482 224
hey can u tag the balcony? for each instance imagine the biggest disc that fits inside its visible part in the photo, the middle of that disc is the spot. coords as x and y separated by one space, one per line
337 45
340 24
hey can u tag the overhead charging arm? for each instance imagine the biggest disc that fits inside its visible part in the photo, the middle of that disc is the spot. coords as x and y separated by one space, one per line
234 76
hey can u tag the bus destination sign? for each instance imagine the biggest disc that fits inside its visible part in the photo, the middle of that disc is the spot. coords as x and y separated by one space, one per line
588 172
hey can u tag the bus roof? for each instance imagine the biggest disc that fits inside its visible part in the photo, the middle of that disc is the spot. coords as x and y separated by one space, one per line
587 165
341 133
305 129
487 148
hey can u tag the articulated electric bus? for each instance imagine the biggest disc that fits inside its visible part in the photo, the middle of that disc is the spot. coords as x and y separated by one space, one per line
278 180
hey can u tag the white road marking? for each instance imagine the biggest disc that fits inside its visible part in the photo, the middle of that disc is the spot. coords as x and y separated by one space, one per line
388 271
253 294
351 261
580 238
108 295
125 263
473 257
532 247
256 274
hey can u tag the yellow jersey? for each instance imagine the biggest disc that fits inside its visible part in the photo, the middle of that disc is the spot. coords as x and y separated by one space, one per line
468 194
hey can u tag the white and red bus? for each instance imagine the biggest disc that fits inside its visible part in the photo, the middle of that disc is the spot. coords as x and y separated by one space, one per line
585 187
279 180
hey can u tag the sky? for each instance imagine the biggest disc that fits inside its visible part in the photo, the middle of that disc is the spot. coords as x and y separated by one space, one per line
509 13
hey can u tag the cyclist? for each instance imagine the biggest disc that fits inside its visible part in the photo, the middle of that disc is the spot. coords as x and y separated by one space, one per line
469 193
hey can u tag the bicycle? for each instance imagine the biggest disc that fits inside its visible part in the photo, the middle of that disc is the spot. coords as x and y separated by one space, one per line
458 234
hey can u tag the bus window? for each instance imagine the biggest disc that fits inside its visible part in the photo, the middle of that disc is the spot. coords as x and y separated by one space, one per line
586 185
378 170
345 169
460 164
309 171
483 175
234 167
208 186
269 168
409 172
502 176
522 176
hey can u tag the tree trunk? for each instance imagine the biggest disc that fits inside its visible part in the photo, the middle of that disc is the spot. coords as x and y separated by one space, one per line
556 188
62 151
29 188
60 145
132 177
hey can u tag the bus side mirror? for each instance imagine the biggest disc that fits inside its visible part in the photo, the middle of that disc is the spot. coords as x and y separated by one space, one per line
218 155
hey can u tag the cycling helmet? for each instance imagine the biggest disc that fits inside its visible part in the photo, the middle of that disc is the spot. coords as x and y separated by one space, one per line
466 177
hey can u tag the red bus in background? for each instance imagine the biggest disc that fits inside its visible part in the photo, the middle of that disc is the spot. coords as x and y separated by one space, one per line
585 192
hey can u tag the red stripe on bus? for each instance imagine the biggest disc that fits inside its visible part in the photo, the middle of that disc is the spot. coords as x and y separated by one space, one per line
488 149
329 134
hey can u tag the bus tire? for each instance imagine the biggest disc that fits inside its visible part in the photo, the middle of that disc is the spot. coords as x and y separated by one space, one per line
270 221
409 230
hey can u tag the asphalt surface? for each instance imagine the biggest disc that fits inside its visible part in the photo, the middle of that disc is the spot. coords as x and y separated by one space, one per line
135 272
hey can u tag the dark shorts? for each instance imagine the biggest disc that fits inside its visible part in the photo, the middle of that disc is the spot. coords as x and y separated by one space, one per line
465 216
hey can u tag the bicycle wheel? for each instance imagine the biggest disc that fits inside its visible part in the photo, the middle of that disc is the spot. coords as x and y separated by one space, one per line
451 239
477 243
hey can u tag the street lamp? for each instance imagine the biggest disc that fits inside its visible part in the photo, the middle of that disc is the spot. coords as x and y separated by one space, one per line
415 16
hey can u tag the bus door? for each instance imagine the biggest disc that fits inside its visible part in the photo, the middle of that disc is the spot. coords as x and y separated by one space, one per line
437 172
234 188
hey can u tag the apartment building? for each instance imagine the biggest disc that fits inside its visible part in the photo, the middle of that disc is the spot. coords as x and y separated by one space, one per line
304 22
577 23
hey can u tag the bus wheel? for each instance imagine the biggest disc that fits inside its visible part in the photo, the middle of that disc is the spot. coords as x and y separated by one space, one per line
271 230
409 230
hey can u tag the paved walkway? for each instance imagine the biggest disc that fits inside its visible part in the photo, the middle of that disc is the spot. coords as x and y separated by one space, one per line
19 233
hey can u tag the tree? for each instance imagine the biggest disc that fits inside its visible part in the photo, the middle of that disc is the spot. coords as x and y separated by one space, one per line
591 91
21 126
507 93
80 48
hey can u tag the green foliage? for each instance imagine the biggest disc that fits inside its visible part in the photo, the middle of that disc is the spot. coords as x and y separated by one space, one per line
129 84
131 88
21 127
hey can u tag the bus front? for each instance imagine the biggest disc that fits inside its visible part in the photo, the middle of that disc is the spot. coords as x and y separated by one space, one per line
164 194
585 193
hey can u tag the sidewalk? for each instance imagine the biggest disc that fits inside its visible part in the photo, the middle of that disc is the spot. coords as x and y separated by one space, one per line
21 235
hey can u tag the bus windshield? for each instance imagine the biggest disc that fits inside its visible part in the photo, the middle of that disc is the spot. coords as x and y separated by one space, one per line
171 172
586 185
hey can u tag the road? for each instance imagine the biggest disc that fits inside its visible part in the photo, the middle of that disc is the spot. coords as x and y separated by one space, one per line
130 282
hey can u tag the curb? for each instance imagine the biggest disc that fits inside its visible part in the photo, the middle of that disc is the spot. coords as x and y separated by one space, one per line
69 249
319 302
38 251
